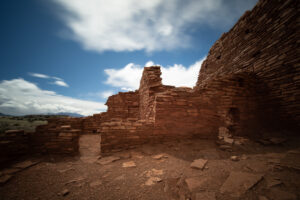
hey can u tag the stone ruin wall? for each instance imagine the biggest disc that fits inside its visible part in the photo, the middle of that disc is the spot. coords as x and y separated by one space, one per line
263 42
234 101
173 113
13 144
59 136
251 74
249 81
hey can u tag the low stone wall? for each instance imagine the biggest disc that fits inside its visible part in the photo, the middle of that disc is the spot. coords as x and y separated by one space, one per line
58 140
125 133
13 144
74 122
59 136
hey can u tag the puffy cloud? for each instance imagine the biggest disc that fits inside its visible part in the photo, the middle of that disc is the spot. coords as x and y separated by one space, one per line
21 97
179 75
128 25
56 80
128 77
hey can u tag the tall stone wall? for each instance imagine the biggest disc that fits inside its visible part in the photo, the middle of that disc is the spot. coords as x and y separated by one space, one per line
149 84
230 101
236 102
55 139
264 42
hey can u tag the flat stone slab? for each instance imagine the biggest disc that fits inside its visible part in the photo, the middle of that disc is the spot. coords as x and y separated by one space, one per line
276 141
205 196
95 183
25 164
198 164
195 183
75 180
234 158
129 164
65 192
239 182
136 155
120 178
228 140
65 170
108 160
10 171
152 181
5 178
159 156
154 172
271 182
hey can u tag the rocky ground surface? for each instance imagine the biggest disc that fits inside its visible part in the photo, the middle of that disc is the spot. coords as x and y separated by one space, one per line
232 168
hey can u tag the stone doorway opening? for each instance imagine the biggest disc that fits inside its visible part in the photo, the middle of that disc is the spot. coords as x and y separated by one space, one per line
89 147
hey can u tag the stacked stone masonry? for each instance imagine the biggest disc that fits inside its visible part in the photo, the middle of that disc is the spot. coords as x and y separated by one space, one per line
58 139
13 144
265 42
249 82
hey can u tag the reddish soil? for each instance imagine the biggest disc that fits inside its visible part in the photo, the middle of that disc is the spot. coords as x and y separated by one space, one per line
162 177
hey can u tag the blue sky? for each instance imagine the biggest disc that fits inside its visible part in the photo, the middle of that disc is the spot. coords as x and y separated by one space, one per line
69 55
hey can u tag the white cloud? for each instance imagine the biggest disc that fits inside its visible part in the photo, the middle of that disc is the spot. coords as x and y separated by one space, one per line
61 83
149 63
39 75
128 25
21 97
56 80
179 75
128 77
107 94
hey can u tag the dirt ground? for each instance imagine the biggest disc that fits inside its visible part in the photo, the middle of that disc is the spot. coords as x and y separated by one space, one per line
161 172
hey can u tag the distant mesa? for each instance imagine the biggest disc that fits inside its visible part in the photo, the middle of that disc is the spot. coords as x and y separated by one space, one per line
67 114
47 114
